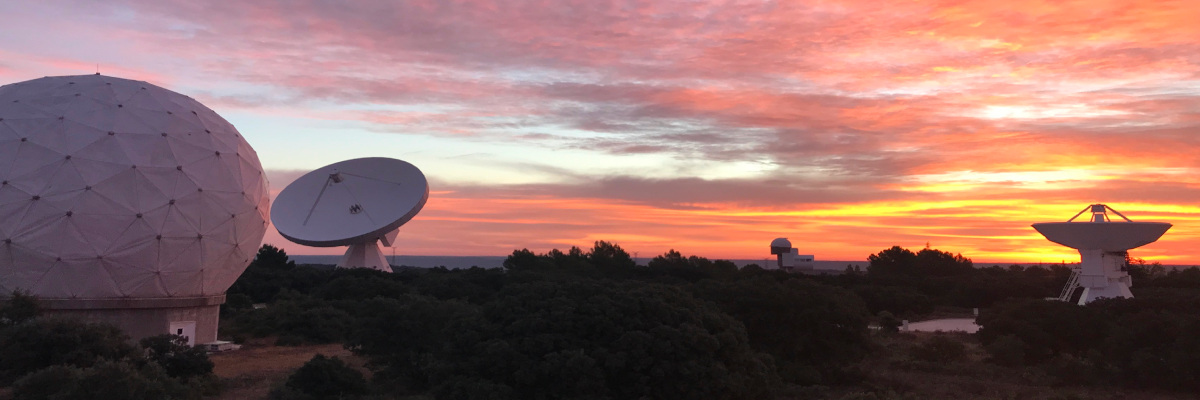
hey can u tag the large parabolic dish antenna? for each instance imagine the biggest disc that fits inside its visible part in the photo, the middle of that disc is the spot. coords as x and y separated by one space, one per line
355 203
1103 244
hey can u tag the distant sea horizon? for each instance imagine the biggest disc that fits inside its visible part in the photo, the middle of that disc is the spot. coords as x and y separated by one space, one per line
457 262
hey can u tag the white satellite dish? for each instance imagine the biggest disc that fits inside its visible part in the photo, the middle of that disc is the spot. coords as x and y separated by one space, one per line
1103 245
355 203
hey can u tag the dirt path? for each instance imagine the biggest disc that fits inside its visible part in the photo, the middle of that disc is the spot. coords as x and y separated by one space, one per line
251 372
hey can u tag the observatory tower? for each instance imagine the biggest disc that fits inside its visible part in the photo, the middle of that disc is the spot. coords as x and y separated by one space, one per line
789 259
1102 245
357 203
126 203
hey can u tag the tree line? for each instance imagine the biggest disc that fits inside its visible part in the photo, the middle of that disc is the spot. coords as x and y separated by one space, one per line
575 324
592 323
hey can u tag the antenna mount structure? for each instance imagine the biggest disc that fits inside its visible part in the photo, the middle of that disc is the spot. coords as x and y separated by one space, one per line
1103 246
359 203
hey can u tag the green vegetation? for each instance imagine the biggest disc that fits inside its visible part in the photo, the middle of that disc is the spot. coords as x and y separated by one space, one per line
177 359
45 357
574 324
322 378
45 342
1141 343
106 379
19 307
591 323
594 324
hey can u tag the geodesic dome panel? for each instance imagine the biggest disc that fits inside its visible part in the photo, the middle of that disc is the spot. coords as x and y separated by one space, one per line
113 188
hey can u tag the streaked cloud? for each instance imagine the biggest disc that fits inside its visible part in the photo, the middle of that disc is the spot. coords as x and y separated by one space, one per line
708 127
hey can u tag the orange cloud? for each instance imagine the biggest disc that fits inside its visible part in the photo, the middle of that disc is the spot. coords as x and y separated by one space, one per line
707 127
988 230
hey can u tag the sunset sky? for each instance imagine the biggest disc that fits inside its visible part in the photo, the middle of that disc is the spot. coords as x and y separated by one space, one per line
709 127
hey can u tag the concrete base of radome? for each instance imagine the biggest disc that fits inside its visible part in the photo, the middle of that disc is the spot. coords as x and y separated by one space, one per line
194 317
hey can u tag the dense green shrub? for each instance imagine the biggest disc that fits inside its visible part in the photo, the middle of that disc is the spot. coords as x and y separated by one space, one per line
1141 343
173 354
888 323
67 359
939 349
812 330
106 379
566 339
474 285
1047 328
236 303
898 300
46 342
591 323
1007 350
317 325
322 378
692 268
271 273
18 308
360 284
604 259
399 336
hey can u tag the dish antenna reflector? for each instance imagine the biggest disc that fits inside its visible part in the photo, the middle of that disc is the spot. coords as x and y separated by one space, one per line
1103 245
357 203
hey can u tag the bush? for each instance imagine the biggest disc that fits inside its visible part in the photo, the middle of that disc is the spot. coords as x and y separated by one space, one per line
1047 328
1071 370
812 330
236 303
175 356
105 380
361 284
888 323
899 300
19 308
322 378
939 349
1141 342
1184 357
272 273
46 342
316 325
566 339
1007 350
399 335
47 383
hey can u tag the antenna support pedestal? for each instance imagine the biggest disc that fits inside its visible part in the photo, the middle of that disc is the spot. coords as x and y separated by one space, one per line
1101 275
365 255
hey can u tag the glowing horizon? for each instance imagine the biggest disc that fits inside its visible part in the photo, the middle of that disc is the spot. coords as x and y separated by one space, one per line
709 128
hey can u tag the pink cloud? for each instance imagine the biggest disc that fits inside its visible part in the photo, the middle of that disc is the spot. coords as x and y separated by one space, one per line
854 106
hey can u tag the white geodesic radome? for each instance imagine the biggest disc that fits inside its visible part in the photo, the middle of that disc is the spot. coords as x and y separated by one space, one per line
113 188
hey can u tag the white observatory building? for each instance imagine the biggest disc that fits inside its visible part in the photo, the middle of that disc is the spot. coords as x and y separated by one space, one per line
126 203
1103 245
789 259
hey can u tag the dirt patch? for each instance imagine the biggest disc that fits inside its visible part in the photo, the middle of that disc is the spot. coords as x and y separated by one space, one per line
251 372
